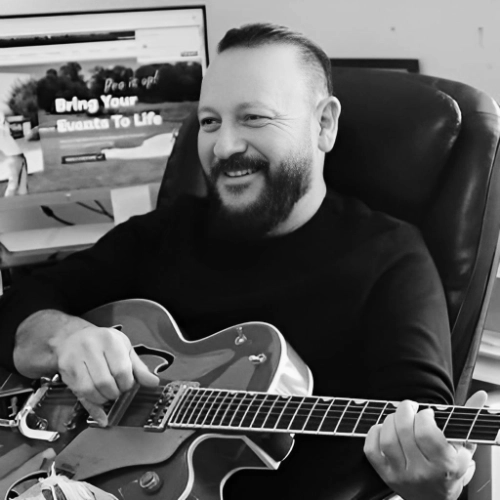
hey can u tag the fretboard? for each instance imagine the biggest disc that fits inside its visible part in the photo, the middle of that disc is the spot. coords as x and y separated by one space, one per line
252 411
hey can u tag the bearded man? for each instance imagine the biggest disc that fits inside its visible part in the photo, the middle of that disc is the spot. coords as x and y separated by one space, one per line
355 292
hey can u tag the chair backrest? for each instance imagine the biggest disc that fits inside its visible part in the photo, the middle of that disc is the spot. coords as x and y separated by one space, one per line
422 149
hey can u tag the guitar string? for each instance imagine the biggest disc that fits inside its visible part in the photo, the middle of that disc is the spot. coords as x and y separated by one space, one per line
294 414
471 413
481 424
482 419
359 408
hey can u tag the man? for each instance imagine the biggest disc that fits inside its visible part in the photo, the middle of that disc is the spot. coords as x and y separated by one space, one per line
14 160
355 292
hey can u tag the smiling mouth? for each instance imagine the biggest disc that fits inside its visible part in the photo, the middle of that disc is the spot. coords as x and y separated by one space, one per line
241 173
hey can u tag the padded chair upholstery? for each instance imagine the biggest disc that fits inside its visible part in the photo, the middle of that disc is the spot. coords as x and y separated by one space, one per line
423 149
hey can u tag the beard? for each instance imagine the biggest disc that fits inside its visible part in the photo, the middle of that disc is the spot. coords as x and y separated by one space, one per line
283 188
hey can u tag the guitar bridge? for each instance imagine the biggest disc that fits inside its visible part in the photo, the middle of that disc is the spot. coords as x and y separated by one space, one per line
166 404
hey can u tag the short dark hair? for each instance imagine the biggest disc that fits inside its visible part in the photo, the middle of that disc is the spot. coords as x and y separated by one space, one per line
259 34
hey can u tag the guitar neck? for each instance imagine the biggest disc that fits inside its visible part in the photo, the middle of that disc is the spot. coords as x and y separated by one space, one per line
251 411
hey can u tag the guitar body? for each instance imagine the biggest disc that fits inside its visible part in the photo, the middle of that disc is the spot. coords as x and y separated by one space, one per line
190 464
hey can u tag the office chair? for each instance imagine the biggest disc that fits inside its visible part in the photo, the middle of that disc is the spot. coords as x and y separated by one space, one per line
422 149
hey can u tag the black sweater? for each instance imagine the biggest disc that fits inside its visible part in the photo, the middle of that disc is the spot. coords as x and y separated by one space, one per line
355 292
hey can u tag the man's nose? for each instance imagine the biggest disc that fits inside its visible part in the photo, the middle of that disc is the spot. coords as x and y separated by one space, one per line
229 142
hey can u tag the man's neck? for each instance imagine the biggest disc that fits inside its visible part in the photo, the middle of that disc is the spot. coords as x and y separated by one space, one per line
303 211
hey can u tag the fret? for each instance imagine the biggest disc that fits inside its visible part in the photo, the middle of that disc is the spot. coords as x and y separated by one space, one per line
274 419
288 412
472 425
214 407
239 412
257 420
341 418
309 424
390 408
220 410
487 426
334 416
194 412
459 423
248 416
211 400
365 404
373 413
231 409
269 422
202 414
318 414
440 415
184 411
382 418
350 417
320 426
299 421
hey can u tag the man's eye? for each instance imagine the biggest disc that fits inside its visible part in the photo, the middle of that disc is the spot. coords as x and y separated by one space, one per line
256 120
208 123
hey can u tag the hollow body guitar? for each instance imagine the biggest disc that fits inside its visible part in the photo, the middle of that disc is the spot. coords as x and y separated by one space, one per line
230 401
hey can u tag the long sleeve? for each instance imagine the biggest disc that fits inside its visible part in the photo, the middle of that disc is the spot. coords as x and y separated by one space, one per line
108 271
407 341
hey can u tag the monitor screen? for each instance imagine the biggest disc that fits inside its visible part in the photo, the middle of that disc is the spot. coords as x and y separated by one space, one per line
93 101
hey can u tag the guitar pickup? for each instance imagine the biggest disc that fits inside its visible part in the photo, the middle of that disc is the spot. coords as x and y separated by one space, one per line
117 408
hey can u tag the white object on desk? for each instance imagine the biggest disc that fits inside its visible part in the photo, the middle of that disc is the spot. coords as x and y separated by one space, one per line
54 237
487 366
130 201
485 484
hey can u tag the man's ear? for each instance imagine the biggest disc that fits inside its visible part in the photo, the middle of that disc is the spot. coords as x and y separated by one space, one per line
328 112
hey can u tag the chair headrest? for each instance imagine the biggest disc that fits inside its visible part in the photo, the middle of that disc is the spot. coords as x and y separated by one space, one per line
395 136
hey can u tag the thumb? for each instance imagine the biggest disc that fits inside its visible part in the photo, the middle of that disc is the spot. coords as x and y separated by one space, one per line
469 473
477 400
141 371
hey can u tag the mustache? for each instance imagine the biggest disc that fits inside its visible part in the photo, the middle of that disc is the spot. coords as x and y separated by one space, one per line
237 162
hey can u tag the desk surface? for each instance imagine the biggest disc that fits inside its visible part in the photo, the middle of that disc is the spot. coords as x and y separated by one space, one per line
40 245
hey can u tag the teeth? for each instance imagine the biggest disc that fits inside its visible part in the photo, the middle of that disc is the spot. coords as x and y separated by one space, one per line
240 173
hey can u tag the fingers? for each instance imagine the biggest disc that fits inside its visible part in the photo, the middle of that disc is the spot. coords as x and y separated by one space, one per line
118 364
404 422
389 442
77 377
374 453
95 411
141 371
412 456
99 364
429 438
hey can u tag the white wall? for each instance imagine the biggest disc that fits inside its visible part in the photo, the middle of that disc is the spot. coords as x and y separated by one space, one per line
457 39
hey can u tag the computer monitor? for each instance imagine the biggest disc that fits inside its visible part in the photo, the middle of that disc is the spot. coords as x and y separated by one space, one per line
91 101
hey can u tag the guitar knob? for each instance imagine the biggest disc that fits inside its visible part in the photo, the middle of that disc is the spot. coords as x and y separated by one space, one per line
150 482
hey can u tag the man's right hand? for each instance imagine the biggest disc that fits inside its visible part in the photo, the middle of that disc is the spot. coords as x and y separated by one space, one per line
99 364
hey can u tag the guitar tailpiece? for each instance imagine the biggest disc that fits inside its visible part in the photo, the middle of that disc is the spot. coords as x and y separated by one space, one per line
22 418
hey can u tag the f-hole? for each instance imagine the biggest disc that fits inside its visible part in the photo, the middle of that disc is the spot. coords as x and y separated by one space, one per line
165 358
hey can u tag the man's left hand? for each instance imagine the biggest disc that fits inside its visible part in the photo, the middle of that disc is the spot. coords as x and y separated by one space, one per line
411 454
